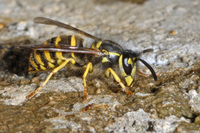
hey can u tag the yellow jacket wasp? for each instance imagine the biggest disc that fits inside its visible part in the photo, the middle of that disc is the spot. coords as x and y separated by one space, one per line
62 50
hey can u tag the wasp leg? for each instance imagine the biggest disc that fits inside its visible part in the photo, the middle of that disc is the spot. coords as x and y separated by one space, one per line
49 76
141 73
116 77
88 69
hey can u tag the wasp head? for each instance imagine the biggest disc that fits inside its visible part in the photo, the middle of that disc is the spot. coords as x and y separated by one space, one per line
127 65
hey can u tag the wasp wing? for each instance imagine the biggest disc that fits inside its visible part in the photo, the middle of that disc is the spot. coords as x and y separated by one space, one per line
47 21
63 48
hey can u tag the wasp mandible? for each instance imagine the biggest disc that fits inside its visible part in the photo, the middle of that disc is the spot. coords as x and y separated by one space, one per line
64 50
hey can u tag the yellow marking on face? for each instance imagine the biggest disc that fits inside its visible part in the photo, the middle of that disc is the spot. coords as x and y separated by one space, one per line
128 80
42 67
121 66
99 44
105 59
120 61
51 65
48 57
37 57
133 70
129 61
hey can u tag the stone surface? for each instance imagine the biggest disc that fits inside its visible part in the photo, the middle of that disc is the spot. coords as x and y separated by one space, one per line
170 27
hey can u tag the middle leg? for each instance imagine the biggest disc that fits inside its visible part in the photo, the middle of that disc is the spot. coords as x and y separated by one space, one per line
89 68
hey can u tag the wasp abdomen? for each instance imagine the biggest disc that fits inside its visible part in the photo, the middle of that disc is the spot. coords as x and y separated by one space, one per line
67 40
45 60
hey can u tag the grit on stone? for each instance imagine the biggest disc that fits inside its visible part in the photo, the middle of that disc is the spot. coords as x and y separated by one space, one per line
169 27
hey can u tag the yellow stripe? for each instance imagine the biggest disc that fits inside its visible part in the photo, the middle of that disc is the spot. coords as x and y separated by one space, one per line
133 70
42 67
128 80
48 57
105 60
121 66
73 41
34 65
110 53
59 61
114 53
129 61
99 44
45 42
58 39
73 44
37 57
51 65
58 54
31 69
93 45
105 51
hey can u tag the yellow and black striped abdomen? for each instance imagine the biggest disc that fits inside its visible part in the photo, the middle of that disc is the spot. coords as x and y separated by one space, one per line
46 60
42 60
69 40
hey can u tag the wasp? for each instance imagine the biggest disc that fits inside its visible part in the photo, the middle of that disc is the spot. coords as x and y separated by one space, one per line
68 50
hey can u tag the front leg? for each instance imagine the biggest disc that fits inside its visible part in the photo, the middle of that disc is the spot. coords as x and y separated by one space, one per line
116 77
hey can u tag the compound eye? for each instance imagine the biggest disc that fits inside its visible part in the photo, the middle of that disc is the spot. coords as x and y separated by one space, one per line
127 64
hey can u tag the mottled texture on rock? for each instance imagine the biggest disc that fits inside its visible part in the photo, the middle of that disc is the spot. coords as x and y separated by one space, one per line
170 27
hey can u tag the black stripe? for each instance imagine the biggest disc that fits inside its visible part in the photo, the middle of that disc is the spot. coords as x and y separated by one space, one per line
65 39
43 58
53 56
52 40
32 60
36 62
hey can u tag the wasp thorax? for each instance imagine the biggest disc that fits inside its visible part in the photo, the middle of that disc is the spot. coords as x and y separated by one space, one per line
111 50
